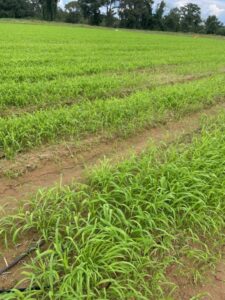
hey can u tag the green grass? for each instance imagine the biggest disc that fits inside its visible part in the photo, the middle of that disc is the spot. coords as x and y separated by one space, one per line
112 117
49 93
115 236
128 223
64 82
42 64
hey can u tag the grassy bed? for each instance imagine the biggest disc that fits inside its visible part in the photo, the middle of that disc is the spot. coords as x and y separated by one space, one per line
115 236
64 82
42 64
49 52
112 117
56 92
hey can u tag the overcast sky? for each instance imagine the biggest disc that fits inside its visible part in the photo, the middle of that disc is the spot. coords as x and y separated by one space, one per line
209 7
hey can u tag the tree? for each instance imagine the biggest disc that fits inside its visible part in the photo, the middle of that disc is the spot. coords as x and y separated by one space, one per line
158 16
74 13
49 9
110 12
136 13
212 25
36 8
15 9
91 10
172 20
190 17
221 31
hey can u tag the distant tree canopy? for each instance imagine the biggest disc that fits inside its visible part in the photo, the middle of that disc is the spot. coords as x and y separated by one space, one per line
28 8
136 14
49 9
73 10
142 14
91 10
158 19
172 20
190 17
212 25
15 9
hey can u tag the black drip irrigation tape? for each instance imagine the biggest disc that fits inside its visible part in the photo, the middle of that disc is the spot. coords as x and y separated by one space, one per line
6 291
21 256
15 262
35 288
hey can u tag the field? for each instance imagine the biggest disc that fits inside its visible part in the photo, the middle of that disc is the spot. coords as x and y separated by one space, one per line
112 155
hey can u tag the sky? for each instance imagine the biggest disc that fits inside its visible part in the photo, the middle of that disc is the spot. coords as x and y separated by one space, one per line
209 7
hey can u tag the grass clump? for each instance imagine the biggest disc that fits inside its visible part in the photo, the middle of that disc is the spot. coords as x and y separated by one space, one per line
115 236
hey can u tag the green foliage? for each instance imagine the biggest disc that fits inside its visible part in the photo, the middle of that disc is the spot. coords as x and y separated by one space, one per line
15 9
74 12
158 20
172 20
141 14
115 236
190 17
66 87
91 10
212 25
49 9
110 16
111 116
135 14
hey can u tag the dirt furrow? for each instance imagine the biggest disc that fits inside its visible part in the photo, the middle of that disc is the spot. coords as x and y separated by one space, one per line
61 164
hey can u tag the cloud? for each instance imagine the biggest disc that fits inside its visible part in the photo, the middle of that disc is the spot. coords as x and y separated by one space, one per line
62 3
208 7
216 10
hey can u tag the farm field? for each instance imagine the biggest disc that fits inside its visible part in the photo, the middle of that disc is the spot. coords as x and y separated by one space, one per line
66 77
131 226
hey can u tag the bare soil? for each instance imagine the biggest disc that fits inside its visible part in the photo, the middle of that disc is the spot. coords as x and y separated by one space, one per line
211 288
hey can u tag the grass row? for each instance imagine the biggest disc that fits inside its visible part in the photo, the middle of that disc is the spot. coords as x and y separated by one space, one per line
41 64
34 52
18 98
57 92
115 236
113 116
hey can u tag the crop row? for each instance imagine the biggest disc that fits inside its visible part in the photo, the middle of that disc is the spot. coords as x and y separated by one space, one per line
50 70
112 116
32 53
115 236
56 92
42 65
63 91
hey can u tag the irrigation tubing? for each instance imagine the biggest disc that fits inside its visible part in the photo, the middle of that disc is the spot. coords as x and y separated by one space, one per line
2 291
16 261
35 288
21 256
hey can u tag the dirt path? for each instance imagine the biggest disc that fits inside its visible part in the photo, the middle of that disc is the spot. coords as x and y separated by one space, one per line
56 164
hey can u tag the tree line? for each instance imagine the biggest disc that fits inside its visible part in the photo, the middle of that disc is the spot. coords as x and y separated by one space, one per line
133 14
